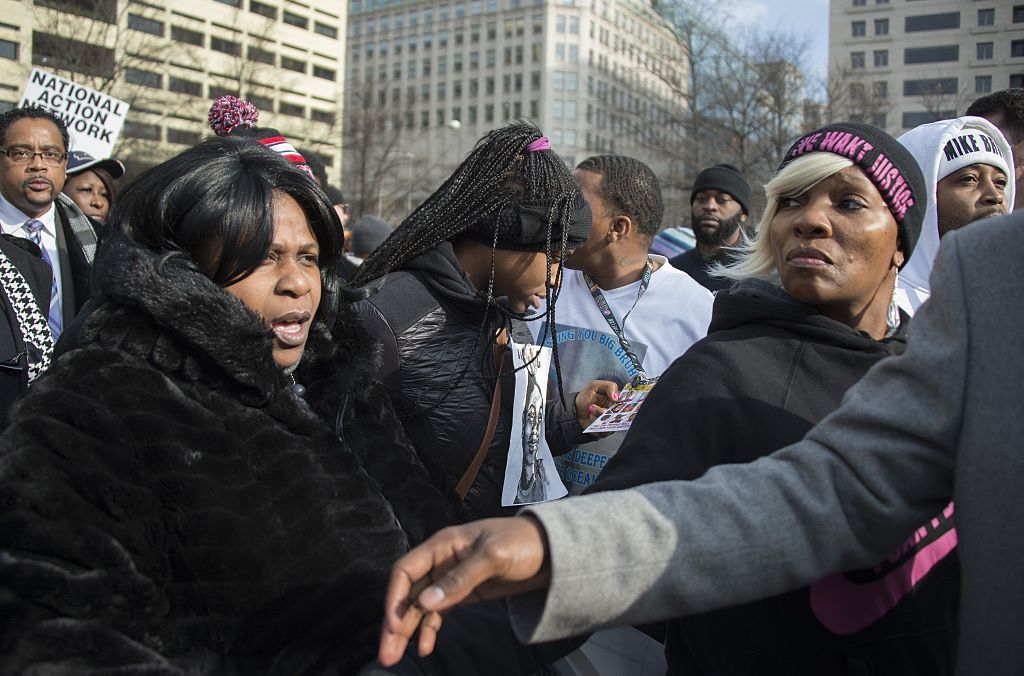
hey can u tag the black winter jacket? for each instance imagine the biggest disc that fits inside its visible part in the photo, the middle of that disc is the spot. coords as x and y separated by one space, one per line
431 321
168 505
694 263
769 369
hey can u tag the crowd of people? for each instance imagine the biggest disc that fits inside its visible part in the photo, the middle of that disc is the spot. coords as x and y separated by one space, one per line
229 413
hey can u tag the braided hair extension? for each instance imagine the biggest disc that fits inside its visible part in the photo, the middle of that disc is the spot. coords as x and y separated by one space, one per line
496 173
499 172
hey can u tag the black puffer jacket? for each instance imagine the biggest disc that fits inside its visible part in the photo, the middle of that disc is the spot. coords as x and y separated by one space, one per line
769 369
167 505
430 319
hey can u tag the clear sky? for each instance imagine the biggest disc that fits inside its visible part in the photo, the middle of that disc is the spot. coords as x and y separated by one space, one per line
809 17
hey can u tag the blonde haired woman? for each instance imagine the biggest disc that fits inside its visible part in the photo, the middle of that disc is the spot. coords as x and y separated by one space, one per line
809 313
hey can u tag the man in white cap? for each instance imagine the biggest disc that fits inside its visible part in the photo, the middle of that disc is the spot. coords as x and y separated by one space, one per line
966 163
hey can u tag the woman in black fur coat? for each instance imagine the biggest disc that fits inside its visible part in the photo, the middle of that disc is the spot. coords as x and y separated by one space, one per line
205 481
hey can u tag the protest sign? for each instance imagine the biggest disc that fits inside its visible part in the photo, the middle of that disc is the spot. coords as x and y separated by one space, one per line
93 118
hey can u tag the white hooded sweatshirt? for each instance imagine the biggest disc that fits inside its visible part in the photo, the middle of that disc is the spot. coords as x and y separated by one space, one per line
941 148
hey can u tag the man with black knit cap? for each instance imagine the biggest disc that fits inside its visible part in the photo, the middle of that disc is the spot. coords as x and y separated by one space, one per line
719 205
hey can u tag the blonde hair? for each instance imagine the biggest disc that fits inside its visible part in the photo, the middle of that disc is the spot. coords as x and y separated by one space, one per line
754 256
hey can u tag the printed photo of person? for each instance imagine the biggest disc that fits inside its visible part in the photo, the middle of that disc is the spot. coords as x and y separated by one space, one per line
531 481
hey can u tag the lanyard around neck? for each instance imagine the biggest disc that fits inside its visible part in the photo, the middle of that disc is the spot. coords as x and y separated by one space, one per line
606 311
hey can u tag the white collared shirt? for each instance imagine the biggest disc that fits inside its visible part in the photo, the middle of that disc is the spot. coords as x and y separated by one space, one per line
13 220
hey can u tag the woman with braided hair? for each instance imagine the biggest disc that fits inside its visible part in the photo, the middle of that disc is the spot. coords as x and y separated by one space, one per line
451 285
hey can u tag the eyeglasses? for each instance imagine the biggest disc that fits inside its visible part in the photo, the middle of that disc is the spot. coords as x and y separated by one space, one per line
24 156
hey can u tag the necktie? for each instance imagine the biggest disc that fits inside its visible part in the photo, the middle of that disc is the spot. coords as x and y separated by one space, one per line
34 229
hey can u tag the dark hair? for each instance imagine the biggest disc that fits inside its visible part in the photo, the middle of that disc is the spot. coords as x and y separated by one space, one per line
214 203
333 194
316 165
629 187
9 117
498 176
1009 102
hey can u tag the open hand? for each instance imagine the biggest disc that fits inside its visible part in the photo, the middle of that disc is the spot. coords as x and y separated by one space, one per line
480 560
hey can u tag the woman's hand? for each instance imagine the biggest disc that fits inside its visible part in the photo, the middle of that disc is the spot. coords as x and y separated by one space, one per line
477 561
593 400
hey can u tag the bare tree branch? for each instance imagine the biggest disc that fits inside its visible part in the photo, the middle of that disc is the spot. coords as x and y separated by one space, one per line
380 176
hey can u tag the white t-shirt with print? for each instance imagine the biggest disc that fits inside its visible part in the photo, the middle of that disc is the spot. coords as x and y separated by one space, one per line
672 315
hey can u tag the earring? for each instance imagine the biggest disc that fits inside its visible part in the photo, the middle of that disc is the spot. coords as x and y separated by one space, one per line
892 321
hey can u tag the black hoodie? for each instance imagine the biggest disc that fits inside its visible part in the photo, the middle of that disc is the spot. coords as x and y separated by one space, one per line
431 322
769 369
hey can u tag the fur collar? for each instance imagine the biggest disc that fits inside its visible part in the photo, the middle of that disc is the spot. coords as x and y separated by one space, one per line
161 307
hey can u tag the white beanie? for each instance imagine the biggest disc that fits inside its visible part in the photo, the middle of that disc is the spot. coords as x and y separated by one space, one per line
971 146
942 148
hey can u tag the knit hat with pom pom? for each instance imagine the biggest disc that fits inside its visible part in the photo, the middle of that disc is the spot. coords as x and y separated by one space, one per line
230 116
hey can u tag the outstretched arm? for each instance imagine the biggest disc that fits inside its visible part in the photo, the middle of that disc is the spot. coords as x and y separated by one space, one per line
485 559
842 498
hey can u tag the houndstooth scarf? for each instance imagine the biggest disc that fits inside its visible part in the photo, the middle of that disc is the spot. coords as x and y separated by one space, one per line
34 329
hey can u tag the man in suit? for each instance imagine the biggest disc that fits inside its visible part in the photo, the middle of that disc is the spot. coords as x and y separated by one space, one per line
34 145
940 421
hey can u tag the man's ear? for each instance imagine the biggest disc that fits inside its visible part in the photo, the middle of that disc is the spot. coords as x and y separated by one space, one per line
620 228
743 217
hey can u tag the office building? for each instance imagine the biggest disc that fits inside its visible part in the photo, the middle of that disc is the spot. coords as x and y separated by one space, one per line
590 73
902 63
169 60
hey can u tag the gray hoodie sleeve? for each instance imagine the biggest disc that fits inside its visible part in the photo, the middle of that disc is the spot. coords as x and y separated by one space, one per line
848 494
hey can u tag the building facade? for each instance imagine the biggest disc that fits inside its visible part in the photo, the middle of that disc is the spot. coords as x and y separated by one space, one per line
902 63
590 73
169 60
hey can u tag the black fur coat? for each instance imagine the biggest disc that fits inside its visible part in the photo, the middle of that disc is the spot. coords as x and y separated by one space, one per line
167 505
